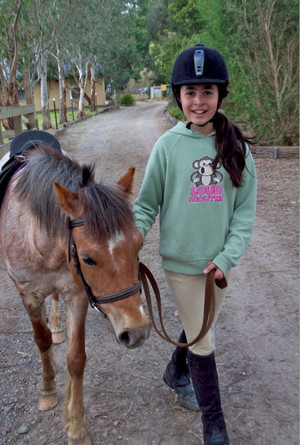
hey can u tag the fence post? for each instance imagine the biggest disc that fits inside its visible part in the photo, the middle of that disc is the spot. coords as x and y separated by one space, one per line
15 112
1 136
72 108
17 124
55 113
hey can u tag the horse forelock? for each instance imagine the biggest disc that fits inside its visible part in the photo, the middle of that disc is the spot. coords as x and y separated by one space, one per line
35 189
106 209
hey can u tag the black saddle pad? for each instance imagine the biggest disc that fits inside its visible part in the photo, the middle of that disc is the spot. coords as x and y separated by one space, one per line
8 169
22 142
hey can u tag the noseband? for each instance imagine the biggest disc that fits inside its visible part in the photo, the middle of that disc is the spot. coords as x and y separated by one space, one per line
93 300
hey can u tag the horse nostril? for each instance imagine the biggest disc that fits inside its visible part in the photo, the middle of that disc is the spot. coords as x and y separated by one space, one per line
124 338
134 337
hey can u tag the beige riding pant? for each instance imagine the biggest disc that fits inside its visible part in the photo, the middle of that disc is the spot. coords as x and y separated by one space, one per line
189 291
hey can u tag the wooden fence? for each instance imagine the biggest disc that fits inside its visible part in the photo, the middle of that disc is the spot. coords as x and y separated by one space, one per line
15 113
275 152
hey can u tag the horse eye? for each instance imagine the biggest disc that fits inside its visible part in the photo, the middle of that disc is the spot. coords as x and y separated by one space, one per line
89 261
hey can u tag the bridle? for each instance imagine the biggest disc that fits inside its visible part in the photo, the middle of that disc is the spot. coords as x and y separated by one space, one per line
93 300
144 276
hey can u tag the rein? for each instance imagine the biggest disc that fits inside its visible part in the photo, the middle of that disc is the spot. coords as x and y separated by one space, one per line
146 276
209 304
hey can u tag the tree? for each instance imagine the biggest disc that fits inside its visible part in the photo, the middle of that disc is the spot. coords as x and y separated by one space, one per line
119 43
59 20
183 20
37 41
261 49
9 21
259 41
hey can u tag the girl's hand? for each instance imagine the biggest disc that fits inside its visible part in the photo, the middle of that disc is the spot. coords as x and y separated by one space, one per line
218 274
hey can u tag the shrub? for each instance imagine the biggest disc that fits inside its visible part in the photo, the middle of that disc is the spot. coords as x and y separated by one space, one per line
175 112
126 99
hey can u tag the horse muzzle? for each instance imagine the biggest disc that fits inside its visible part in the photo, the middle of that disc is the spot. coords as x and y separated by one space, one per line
134 337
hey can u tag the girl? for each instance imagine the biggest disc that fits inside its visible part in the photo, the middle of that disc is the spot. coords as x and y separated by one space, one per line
201 179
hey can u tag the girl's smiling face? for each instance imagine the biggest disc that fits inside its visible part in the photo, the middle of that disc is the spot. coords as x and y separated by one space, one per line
199 104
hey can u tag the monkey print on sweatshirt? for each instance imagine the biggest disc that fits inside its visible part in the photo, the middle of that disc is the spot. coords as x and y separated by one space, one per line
206 181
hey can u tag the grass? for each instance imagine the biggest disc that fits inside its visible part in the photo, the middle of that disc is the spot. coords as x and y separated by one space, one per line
71 116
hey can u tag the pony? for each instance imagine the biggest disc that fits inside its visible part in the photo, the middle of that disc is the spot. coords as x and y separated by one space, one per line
64 234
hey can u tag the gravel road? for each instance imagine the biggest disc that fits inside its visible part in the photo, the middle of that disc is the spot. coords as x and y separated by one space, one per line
257 333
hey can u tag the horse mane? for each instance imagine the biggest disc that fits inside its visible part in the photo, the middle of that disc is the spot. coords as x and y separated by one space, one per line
106 209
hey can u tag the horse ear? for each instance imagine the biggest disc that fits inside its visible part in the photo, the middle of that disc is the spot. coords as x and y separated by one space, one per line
67 200
126 181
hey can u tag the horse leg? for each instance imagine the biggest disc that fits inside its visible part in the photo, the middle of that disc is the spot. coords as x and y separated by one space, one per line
74 406
48 394
58 335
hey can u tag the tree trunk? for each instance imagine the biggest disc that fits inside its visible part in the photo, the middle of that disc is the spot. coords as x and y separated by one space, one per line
82 86
32 120
80 103
44 93
93 88
81 89
62 88
87 98
8 73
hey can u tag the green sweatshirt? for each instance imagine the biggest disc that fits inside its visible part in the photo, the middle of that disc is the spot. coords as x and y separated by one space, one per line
203 217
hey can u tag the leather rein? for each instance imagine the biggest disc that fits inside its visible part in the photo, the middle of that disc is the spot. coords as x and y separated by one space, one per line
146 276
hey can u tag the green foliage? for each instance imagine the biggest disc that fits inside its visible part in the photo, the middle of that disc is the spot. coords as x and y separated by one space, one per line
126 99
262 56
185 17
163 53
182 20
157 19
259 41
175 112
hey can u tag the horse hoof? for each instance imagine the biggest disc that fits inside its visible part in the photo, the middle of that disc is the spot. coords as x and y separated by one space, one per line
58 337
85 441
47 403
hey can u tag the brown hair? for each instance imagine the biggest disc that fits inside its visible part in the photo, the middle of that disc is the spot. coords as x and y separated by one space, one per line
230 147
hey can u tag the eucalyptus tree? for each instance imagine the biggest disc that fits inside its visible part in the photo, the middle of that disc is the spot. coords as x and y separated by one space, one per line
59 18
96 29
260 42
135 23
115 43
35 48
179 25
79 49
9 52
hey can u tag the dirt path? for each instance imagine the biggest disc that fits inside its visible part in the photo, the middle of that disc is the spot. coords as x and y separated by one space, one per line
257 332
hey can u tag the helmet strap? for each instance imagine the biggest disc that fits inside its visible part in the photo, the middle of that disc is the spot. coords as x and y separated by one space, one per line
189 124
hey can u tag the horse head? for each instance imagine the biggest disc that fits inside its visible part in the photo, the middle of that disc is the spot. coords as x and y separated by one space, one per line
107 244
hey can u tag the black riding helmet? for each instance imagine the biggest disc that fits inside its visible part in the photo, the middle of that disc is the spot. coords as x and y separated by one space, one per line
200 64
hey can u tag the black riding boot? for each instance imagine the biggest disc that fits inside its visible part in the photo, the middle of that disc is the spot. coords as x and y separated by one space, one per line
205 380
177 377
